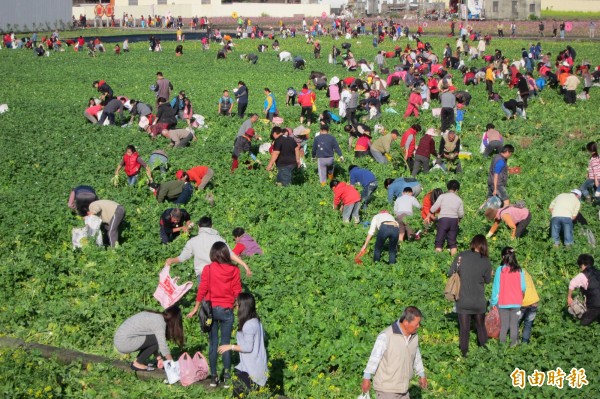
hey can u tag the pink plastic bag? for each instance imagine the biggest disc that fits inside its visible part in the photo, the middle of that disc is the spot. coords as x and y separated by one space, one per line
168 292
192 369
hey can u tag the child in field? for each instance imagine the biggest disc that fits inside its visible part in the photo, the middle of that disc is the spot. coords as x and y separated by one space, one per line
245 245
403 207
349 197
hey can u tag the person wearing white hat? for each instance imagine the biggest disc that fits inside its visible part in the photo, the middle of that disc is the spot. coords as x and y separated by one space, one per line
564 209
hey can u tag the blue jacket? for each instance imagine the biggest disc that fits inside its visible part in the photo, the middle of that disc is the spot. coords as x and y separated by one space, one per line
362 176
397 187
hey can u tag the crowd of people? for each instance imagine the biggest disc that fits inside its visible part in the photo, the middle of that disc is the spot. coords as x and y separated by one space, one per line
428 78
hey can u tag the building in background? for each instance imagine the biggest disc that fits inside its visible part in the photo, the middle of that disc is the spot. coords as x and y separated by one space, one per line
209 8
34 15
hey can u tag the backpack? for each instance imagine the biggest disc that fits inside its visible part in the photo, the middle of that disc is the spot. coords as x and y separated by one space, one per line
452 289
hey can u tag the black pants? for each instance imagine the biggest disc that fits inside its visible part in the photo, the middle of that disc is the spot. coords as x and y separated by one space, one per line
490 86
351 116
522 225
464 323
447 118
148 348
242 384
570 96
242 109
589 316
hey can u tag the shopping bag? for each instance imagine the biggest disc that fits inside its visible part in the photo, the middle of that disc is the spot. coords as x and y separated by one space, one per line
192 369
492 323
172 371
168 292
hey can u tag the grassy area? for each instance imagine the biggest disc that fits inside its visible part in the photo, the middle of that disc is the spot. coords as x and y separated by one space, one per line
569 15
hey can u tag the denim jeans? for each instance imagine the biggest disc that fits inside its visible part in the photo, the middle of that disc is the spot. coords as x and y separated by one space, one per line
588 186
566 225
367 193
527 316
132 180
222 320
386 231
186 194
351 211
160 161
284 174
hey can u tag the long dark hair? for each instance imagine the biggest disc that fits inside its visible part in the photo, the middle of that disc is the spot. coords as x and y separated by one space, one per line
479 244
509 258
246 309
435 193
172 317
220 253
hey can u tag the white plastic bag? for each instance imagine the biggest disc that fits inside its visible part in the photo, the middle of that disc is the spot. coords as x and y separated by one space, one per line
91 229
172 371
364 395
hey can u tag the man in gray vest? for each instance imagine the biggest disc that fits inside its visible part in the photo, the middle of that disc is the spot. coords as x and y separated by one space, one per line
396 358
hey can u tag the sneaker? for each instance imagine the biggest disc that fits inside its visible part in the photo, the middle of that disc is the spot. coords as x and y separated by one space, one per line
214 381
226 380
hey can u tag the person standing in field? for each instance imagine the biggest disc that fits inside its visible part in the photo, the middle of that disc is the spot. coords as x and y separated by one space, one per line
451 210
498 174
241 96
132 164
252 372
323 149
162 87
220 283
507 294
395 358
475 270
285 155
269 105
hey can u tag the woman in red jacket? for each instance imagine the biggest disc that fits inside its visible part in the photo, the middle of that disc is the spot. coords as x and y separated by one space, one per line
220 283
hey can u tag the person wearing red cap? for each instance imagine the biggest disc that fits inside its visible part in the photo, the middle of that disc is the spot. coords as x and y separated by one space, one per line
242 144
200 175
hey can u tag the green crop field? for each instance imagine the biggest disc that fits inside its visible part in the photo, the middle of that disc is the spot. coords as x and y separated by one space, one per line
320 310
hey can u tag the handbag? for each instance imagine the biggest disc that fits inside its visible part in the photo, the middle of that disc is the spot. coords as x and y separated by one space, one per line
172 371
492 323
452 289
168 293
206 315
192 369
577 308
